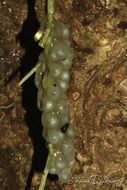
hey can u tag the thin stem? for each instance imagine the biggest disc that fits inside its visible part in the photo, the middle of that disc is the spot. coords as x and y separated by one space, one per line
45 42
32 71
47 167
50 25
1 118
7 107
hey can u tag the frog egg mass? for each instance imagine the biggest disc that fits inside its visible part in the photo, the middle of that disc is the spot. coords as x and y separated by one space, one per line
52 81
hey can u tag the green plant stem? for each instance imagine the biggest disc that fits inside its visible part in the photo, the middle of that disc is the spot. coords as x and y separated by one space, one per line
45 43
47 167
32 71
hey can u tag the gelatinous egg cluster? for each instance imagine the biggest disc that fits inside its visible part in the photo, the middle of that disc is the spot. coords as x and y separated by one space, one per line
52 80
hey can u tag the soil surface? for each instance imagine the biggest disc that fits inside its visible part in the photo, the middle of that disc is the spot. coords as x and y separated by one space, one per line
97 94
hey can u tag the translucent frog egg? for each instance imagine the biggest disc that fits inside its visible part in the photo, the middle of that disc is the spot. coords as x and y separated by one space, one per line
60 162
48 105
65 175
55 69
38 76
54 92
66 63
54 136
70 132
65 76
62 107
67 145
60 30
51 120
59 51
64 85
39 99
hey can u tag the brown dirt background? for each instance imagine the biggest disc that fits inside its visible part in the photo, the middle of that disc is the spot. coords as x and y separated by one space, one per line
97 95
